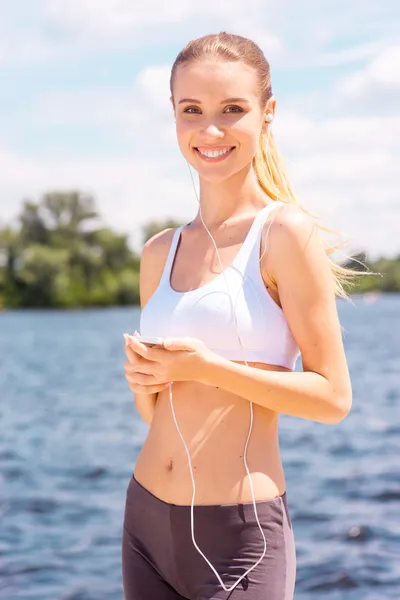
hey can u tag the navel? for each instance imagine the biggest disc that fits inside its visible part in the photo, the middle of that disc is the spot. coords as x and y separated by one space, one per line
170 465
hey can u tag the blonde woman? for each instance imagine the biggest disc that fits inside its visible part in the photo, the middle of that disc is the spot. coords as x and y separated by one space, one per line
236 294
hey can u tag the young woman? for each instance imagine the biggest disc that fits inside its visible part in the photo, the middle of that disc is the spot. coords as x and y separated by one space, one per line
235 316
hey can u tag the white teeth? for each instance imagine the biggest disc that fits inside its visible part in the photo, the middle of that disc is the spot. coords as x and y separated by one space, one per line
215 153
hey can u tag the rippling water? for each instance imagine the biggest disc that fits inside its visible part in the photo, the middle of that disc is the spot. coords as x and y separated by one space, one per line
69 438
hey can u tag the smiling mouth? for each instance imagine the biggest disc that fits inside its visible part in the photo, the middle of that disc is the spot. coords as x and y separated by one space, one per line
216 155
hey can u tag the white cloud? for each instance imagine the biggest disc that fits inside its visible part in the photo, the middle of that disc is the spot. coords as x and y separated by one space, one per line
345 170
124 24
31 48
340 134
66 30
377 85
107 18
349 55
50 30
152 86
141 114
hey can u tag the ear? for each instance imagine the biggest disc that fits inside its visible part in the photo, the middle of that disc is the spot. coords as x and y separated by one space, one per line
270 107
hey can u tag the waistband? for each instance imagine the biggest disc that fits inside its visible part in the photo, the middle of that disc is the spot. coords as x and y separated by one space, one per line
244 505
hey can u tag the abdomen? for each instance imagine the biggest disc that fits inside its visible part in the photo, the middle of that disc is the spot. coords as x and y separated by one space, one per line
215 425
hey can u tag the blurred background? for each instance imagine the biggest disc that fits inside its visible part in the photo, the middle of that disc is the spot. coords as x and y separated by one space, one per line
89 169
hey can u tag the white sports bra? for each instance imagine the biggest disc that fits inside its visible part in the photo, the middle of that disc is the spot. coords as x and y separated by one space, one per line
207 313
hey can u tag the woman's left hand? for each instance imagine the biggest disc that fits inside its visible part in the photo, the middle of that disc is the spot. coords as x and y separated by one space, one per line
181 359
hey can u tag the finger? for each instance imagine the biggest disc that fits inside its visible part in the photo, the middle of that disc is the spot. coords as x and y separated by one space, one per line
142 365
130 367
141 379
128 338
132 356
154 354
148 389
175 344
145 367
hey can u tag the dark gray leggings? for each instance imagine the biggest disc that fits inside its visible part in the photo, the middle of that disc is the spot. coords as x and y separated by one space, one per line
160 562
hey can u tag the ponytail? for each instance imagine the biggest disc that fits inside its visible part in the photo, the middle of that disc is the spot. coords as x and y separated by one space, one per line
272 178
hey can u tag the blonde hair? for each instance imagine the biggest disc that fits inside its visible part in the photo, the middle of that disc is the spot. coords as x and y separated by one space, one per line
267 162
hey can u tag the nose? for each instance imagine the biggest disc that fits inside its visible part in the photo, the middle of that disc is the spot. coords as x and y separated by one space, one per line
213 131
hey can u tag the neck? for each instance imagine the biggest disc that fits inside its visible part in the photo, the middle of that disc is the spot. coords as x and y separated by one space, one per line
230 198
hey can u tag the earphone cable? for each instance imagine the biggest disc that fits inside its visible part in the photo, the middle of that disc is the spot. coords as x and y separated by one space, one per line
227 589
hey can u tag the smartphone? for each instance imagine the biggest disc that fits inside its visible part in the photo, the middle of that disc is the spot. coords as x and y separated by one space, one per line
152 342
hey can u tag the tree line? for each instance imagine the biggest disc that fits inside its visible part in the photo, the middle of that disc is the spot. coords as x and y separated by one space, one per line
59 256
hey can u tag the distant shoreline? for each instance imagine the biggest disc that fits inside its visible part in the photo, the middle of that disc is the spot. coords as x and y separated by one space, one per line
61 257
370 297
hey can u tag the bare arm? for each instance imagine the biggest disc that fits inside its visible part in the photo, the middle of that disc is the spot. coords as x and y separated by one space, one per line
297 263
145 405
152 262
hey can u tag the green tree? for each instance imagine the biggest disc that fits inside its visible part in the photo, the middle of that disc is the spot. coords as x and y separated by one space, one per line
58 255
10 248
33 228
39 269
68 211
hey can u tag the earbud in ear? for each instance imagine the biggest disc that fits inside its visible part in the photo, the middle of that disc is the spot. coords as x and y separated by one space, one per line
269 117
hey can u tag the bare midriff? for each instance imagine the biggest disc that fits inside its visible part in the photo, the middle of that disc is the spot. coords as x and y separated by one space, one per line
215 425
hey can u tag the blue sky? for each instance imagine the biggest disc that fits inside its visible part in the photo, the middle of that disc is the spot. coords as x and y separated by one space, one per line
84 103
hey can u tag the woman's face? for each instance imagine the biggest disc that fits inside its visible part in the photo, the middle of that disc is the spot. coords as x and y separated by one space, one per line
208 120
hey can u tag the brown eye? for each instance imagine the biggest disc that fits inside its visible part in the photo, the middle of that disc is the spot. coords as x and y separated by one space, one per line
238 109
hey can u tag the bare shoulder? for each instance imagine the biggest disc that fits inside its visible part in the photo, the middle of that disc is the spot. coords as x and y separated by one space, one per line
292 225
288 232
293 238
152 262
157 247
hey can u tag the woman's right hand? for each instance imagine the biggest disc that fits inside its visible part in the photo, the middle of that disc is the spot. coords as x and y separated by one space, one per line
131 370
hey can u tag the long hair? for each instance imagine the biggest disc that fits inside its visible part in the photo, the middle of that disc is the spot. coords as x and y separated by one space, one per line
267 162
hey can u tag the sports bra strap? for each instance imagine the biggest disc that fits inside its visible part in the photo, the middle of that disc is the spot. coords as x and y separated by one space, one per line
251 244
171 254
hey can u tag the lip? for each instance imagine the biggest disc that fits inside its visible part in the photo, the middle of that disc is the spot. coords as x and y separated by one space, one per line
211 149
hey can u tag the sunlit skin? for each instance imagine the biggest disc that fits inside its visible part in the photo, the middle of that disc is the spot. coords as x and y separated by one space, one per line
211 394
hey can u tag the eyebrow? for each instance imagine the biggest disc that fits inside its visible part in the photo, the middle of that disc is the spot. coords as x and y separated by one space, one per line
223 101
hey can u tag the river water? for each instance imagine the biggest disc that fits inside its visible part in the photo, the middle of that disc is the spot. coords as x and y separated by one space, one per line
69 437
